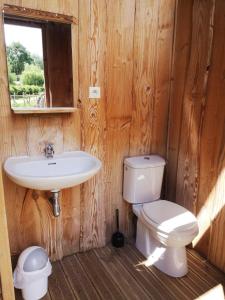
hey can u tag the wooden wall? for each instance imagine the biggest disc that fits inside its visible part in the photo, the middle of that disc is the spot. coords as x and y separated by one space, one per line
196 139
30 219
130 49
125 47
57 58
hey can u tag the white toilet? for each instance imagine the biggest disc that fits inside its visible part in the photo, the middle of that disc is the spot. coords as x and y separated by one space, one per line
163 227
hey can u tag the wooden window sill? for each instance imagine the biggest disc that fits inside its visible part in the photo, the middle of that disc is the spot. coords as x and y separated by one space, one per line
44 110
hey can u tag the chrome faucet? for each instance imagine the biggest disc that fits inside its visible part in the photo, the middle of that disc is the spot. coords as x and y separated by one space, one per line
49 150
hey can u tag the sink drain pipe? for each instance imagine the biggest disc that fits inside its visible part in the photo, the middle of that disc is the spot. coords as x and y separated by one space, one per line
54 199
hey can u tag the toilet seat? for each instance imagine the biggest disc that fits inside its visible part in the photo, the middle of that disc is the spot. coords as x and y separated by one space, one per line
169 222
169 216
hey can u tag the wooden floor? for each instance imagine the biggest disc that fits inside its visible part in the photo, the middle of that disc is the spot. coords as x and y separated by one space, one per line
109 273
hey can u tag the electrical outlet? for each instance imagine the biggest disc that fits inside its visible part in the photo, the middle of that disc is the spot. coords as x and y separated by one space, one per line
94 92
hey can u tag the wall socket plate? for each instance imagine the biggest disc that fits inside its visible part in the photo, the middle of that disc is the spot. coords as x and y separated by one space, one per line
94 92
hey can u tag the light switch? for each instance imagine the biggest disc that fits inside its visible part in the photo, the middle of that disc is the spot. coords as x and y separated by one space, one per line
94 92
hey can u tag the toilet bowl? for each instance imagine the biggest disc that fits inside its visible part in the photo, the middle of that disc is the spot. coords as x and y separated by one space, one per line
164 228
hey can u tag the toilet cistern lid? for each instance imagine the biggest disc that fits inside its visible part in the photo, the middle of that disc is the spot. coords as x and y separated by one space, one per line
145 161
169 216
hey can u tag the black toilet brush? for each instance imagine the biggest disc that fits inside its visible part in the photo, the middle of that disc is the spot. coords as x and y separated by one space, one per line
117 237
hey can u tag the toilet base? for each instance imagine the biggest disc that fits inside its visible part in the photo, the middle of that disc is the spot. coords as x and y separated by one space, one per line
170 260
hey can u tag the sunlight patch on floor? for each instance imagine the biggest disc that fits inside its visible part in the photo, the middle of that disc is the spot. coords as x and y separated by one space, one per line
216 293
158 252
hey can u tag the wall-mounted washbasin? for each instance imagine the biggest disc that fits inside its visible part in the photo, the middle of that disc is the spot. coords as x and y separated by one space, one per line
52 173
61 171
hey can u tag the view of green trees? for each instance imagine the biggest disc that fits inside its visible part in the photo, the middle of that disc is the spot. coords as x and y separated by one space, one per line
25 71
18 56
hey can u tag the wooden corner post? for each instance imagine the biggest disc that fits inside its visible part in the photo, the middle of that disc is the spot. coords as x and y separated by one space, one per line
5 258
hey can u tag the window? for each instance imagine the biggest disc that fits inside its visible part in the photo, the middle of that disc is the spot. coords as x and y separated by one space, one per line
39 58
24 50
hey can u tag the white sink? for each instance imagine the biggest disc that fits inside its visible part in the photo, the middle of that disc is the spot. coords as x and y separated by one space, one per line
62 171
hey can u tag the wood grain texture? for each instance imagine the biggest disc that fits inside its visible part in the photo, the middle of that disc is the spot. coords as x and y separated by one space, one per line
197 122
146 28
212 160
36 217
59 287
119 73
153 44
50 110
30 219
109 273
163 60
125 47
78 278
6 277
193 106
106 288
20 11
180 60
58 64
68 8
129 49
91 72
115 268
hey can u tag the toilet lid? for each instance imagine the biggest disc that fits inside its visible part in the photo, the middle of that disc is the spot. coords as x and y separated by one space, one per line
169 216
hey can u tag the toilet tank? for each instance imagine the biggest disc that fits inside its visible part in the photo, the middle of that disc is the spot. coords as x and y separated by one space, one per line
143 177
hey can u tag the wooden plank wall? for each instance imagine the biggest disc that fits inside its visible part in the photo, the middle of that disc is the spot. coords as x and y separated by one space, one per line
196 140
6 278
125 47
30 219
58 64
122 53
